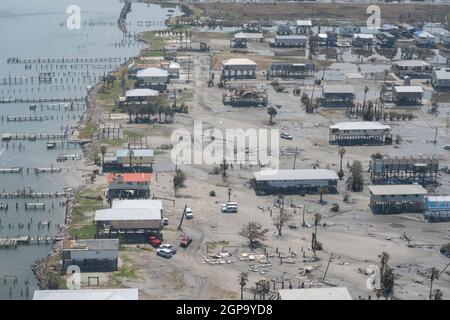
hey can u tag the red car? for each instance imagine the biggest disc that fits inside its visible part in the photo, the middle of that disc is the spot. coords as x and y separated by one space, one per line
154 241
185 241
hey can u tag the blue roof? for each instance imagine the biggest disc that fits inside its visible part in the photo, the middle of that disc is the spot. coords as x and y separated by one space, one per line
136 152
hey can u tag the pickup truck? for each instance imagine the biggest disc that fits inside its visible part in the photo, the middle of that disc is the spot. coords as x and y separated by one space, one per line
185 241
154 241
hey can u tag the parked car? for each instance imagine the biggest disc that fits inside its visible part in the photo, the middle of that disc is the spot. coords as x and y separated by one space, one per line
286 136
166 253
185 241
188 214
166 221
230 207
154 241
168 247
446 147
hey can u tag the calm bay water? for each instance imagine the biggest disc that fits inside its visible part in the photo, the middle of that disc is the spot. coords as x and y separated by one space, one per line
36 29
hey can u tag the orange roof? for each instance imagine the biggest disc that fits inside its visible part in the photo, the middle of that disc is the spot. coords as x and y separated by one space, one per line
130 177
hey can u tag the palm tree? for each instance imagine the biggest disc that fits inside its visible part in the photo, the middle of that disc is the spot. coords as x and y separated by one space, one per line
355 182
366 89
130 156
103 149
317 218
243 278
272 113
433 276
341 154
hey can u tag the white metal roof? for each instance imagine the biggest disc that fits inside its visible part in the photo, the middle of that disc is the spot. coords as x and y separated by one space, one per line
363 36
304 23
174 65
332 293
338 88
291 37
408 89
397 189
127 214
87 294
438 198
136 153
136 204
359 125
152 72
239 61
141 93
442 74
411 63
297 174
248 35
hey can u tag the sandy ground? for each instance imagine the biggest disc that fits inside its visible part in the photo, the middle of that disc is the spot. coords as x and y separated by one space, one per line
353 235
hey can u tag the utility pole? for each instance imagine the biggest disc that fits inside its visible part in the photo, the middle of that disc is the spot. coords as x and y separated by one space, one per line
189 69
326 270
435 136
295 157
182 217
229 193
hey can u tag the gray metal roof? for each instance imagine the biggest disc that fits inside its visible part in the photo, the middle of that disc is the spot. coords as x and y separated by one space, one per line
442 74
359 125
397 189
127 214
332 293
137 204
87 294
291 37
408 89
411 63
136 153
92 244
297 174
338 88
304 23
152 72
141 93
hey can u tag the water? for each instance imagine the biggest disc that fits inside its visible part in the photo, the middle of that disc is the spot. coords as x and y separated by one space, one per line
34 29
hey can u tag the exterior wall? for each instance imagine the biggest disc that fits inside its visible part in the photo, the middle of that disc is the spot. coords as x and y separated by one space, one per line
152 80
416 71
396 204
89 265
360 137
116 185
131 224
295 186
135 160
281 42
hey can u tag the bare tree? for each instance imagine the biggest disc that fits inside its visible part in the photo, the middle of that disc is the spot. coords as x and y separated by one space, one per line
282 218
254 232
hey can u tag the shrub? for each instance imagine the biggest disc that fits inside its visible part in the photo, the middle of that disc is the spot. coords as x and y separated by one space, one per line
212 193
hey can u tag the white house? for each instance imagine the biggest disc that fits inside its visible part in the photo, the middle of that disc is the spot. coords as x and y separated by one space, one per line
91 254
294 181
153 75
424 39
130 219
360 133
412 68
303 27
289 41
87 294
138 157
139 96
441 78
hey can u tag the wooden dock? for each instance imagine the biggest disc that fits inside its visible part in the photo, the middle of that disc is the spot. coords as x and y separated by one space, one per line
40 100
6 243
32 136
15 60
16 170
26 118
31 194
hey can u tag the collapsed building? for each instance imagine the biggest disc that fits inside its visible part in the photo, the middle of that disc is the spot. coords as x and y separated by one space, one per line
423 171
437 208
412 68
287 70
241 96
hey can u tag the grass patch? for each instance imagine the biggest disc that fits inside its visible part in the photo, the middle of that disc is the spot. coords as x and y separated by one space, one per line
125 273
88 130
157 43
114 142
83 232
87 200
133 134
